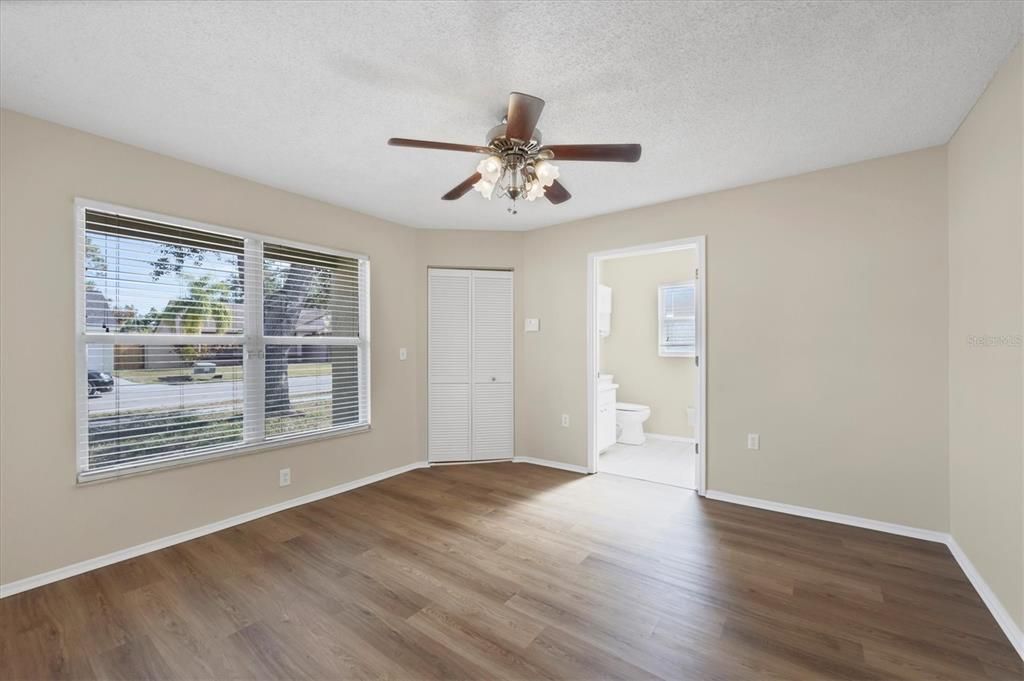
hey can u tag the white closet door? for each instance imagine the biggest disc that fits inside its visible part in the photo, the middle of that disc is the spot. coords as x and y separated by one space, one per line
448 375
492 405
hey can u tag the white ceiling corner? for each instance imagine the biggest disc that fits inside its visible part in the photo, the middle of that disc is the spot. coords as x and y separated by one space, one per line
303 95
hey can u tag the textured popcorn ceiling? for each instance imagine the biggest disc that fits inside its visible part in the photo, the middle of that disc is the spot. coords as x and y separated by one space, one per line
302 96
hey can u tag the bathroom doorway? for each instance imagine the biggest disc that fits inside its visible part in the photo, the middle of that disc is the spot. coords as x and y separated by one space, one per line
647 373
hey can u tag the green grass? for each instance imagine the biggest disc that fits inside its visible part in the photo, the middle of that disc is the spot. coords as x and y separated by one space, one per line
114 439
304 416
227 373
190 431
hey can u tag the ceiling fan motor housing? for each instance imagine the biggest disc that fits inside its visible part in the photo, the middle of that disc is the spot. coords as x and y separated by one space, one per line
514 155
498 132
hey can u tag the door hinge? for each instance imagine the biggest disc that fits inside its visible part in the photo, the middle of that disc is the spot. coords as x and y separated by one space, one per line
696 273
696 449
696 359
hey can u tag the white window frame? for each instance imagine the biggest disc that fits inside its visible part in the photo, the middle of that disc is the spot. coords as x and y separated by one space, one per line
252 342
662 350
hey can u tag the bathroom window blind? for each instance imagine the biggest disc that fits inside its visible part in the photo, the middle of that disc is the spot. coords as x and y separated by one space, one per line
196 342
677 320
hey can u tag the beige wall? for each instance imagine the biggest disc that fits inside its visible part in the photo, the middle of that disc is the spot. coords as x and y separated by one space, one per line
849 389
46 521
827 334
986 410
668 385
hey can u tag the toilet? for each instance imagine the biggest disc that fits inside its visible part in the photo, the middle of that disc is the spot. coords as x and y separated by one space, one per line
630 419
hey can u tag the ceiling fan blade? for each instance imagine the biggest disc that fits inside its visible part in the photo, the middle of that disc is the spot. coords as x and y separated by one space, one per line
623 153
523 114
462 188
556 193
442 146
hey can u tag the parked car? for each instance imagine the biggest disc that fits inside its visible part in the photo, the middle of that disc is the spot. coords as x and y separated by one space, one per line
204 370
100 382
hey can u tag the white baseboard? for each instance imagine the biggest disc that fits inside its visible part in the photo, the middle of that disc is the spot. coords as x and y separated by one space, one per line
672 438
571 467
856 521
157 544
995 606
469 462
842 519
992 602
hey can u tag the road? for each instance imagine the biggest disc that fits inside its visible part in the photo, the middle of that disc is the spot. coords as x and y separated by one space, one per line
128 395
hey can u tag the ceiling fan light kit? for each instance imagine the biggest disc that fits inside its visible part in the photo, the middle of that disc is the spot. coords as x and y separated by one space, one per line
517 166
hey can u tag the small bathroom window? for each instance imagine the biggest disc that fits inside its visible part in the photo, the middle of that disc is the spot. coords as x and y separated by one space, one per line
677 320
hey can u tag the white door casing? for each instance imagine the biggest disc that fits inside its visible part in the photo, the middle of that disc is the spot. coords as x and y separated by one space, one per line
593 346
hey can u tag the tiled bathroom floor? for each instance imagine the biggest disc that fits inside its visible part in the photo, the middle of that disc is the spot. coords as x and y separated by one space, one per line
664 461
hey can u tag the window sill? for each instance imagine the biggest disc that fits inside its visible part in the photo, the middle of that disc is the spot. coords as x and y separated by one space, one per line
131 470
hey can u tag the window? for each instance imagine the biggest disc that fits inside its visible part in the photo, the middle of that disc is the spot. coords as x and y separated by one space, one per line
677 320
196 342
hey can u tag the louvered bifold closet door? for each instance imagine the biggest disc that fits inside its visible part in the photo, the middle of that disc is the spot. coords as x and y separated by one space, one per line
492 408
449 361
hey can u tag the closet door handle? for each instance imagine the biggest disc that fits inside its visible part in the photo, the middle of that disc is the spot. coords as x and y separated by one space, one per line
494 378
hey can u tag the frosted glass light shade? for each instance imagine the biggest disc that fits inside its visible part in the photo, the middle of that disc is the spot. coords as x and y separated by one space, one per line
547 172
490 169
484 187
535 191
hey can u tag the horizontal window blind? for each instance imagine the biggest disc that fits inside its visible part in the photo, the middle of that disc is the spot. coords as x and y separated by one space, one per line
323 388
146 277
322 289
156 406
677 325
196 342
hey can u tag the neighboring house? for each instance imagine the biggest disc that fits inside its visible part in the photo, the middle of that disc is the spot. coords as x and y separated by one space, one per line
99 315
98 312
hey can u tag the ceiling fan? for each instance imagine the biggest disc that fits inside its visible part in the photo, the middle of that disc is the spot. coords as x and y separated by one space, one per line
518 166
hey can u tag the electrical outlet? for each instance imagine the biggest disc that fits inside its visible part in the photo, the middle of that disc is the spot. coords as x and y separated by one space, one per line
753 441
284 477
565 420
403 354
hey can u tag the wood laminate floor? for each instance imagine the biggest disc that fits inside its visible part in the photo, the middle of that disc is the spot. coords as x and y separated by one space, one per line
512 571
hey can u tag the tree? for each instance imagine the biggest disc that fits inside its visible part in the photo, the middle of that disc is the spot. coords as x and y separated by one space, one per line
206 302
95 262
280 318
124 315
146 323
288 287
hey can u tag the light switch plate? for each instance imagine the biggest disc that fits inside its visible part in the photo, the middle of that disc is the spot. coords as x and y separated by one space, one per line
753 441
532 325
284 477
403 354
